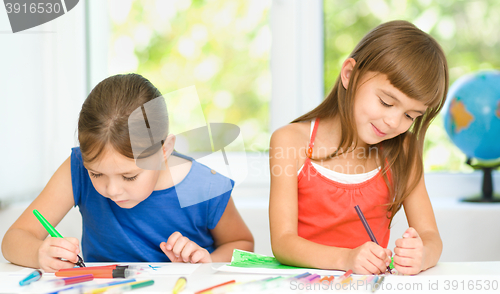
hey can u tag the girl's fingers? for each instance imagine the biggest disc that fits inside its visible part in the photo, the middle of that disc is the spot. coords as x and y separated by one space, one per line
403 252
205 255
371 267
378 251
60 252
409 243
169 253
410 233
172 240
75 242
188 249
58 264
180 249
52 264
380 265
403 261
198 256
66 243
179 246
380 257
406 270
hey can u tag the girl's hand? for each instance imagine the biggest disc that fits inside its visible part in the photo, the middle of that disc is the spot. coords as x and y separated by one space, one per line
57 253
369 258
409 253
180 249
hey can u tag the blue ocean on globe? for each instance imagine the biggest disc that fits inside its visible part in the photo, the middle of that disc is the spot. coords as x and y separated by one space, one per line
472 114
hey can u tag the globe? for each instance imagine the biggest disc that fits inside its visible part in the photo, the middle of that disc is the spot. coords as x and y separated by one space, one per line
472 115
472 121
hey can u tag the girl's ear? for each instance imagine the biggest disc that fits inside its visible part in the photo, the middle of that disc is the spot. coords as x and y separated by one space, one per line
168 146
346 70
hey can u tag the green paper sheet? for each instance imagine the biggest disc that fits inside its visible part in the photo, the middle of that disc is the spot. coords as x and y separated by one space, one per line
252 260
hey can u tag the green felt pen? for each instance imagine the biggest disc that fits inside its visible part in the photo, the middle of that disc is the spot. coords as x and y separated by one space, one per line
53 232
130 286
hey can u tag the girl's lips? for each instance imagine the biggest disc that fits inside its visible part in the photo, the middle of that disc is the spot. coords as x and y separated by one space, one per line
378 132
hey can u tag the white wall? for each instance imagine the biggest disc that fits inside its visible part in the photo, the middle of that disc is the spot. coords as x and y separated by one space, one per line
43 86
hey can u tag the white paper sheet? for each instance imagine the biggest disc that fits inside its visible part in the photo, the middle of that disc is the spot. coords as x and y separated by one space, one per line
170 269
268 271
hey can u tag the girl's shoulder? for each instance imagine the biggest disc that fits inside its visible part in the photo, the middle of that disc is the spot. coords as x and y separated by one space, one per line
292 134
292 140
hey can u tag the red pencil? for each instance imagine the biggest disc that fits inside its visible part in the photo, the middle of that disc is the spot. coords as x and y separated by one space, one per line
347 274
216 286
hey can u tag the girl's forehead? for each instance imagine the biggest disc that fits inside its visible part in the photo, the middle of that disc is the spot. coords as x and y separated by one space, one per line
383 86
111 161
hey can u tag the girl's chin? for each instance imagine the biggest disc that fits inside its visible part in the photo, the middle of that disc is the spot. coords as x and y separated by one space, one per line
126 204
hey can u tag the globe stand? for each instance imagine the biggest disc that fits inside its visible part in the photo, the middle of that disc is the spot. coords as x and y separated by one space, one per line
487 195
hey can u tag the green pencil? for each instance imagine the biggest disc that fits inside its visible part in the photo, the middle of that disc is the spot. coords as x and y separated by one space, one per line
53 232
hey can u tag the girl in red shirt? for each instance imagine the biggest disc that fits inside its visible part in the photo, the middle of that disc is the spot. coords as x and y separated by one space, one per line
362 146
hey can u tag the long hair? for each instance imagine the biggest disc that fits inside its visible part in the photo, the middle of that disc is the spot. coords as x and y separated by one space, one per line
415 64
104 118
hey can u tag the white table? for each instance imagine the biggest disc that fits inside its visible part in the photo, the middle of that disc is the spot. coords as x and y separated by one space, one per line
205 276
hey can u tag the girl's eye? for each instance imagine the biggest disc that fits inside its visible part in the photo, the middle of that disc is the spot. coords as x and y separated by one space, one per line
383 103
130 179
412 118
94 175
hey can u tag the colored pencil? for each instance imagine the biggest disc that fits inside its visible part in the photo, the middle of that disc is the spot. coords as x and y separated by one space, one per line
368 229
216 286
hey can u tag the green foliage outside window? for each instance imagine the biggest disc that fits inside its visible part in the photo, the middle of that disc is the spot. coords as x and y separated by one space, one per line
468 31
221 47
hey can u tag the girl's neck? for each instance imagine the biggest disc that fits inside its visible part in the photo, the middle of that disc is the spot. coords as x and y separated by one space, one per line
327 141
330 131
176 169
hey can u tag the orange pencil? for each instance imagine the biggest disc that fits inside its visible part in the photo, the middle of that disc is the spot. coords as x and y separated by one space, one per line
327 279
107 273
216 286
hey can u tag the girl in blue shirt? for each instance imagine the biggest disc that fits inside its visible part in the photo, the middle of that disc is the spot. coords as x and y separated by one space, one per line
130 203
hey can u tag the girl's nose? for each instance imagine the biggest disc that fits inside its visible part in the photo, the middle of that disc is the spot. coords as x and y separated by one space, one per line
113 189
393 120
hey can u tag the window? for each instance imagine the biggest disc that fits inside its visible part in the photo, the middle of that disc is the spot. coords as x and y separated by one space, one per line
220 47
467 31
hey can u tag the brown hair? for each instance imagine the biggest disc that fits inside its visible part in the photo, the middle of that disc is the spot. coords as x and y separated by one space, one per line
104 118
416 65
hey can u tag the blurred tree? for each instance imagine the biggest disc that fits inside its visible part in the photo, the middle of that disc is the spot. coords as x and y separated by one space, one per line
221 47
467 31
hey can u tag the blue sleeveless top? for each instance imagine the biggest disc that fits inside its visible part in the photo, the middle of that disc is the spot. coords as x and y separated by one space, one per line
114 234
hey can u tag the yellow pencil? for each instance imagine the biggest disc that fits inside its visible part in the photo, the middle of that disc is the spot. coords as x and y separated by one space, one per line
179 285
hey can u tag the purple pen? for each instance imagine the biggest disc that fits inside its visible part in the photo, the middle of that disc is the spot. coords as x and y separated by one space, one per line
367 228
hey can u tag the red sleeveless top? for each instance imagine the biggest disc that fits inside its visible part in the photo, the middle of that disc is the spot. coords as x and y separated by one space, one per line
326 213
